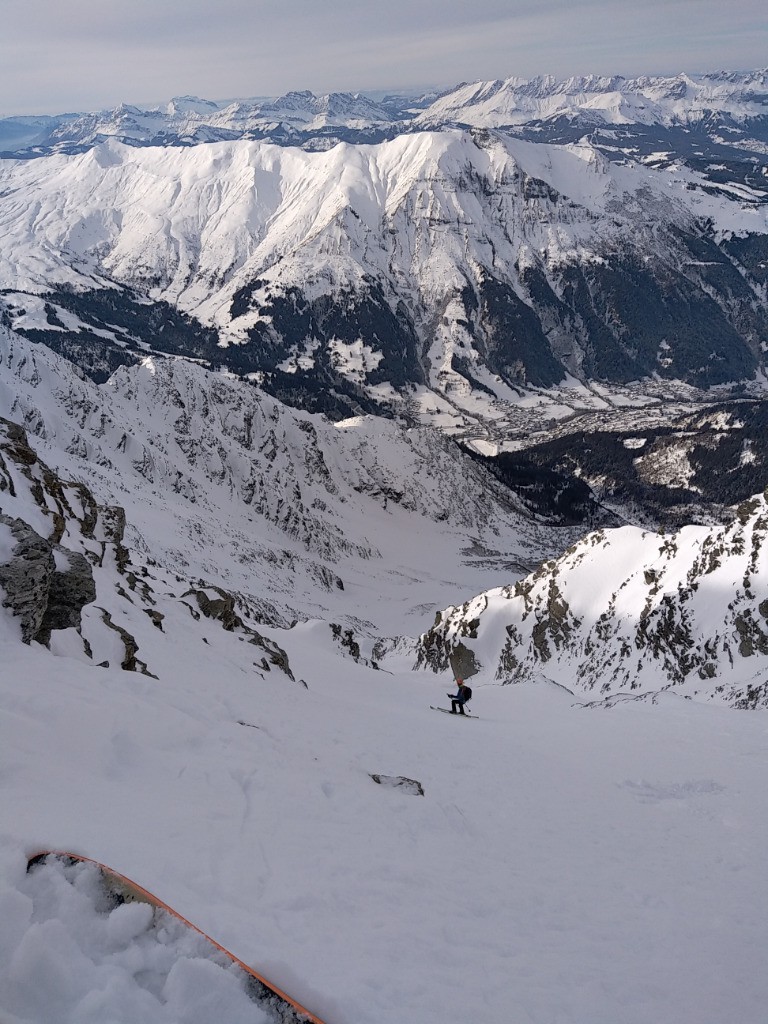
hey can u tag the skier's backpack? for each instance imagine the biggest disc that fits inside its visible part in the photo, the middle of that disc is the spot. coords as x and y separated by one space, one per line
468 693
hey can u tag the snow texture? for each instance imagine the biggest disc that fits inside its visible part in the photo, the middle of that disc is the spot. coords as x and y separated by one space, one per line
74 959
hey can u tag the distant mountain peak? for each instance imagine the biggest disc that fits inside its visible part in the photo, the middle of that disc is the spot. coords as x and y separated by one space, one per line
190 105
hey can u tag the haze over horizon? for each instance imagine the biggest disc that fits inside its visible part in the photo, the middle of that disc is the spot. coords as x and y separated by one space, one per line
87 57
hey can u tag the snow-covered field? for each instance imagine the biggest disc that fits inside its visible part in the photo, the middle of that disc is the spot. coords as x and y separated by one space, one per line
562 865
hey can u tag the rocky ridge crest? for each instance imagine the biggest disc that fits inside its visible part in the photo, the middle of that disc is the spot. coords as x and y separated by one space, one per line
69 581
627 611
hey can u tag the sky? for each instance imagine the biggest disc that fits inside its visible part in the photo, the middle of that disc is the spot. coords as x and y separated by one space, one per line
84 55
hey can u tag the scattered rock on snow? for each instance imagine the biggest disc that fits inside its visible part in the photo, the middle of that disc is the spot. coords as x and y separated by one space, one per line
399 782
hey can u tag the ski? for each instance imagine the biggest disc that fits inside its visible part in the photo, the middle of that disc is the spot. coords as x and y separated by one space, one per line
447 712
280 1006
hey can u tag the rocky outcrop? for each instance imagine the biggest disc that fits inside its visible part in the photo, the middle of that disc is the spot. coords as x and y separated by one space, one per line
26 578
438 655
44 584
129 661
71 588
222 608
62 551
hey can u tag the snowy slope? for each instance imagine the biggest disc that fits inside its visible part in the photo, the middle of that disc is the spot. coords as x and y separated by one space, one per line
306 510
628 610
549 840
579 866
199 223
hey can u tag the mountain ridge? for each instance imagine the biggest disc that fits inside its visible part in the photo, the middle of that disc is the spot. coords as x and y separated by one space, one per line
300 116
627 610
305 509
273 515
471 267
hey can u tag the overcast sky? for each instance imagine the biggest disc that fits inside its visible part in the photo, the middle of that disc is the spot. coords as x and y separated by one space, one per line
61 55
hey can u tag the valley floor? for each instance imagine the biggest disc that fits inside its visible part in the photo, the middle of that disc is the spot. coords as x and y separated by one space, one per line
563 865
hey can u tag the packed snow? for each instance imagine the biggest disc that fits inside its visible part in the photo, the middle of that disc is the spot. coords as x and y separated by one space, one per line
563 864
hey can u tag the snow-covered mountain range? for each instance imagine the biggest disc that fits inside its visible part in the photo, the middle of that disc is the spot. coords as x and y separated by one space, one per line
443 274
288 516
732 98
305 509
719 103
535 311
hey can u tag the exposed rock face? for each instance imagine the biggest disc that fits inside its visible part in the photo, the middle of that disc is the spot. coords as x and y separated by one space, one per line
26 578
222 608
435 654
69 591
74 557
45 585
112 520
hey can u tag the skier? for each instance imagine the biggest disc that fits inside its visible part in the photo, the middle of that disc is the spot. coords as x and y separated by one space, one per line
460 698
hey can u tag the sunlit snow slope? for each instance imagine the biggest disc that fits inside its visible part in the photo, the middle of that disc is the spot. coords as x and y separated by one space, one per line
682 99
629 610
580 866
